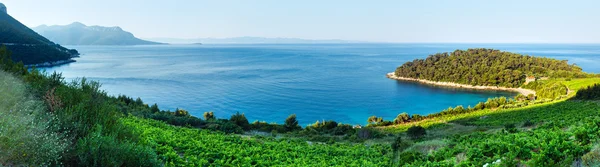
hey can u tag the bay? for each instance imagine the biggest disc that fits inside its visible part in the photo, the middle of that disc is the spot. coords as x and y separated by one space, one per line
268 82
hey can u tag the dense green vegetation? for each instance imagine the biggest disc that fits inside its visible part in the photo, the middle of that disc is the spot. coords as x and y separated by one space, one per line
50 122
29 47
589 93
486 67
192 147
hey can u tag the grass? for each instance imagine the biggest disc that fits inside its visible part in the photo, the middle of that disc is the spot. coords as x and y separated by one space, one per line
442 121
26 137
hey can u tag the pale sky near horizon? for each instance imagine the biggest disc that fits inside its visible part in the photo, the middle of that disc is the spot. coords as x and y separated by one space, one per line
462 21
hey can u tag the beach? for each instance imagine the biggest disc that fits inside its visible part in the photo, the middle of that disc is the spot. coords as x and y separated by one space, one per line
525 92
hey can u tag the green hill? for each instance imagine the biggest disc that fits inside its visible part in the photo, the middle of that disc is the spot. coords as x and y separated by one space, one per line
486 67
28 46
80 34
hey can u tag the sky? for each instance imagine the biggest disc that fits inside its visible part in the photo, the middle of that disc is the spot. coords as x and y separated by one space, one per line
454 21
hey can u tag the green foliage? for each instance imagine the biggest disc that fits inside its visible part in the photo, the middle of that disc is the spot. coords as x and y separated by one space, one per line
589 93
416 132
409 157
27 136
192 147
100 150
510 128
399 144
240 120
402 118
549 89
486 67
291 124
209 115
592 159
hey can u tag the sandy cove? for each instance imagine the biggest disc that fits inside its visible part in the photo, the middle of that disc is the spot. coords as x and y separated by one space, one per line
525 92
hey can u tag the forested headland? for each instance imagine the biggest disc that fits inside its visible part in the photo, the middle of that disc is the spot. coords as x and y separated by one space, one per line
487 67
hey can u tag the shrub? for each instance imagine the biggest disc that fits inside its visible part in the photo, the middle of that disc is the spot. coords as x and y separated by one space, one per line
592 159
99 150
409 157
416 132
510 128
291 124
209 115
399 144
240 120
368 133
401 118
27 136
528 123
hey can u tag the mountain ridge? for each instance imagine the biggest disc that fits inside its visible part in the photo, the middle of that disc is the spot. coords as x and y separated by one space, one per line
29 47
78 33
249 40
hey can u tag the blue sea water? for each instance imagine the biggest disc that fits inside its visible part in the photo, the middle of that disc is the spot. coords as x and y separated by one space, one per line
341 82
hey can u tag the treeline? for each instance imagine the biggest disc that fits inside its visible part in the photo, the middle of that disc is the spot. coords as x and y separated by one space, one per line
589 93
549 89
486 67
492 103
324 131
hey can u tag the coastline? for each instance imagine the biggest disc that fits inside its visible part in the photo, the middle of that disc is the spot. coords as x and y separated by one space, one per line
50 64
522 91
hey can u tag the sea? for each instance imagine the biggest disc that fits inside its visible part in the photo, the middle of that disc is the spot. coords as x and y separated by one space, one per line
268 82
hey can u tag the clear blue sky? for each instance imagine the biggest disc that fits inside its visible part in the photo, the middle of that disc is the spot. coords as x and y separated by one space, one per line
540 21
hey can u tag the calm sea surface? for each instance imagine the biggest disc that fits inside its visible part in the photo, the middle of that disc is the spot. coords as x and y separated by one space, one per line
341 82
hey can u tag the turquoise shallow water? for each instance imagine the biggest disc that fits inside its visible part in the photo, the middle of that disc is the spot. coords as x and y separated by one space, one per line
341 82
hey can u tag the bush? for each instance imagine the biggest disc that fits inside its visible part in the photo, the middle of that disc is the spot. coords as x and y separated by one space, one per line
291 124
209 115
528 123
27 136
399 145
592 159
401 118
240 120
99 150
409 157
368 133
510 128
416 132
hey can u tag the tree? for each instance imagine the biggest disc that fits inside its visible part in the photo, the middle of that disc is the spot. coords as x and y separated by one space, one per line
209 115
479 106
417 117
182 113
154 108
291 124
240 120
416 132
399 145
402 118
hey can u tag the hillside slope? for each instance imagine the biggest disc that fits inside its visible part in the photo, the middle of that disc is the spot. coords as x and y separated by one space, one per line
80 34
28 46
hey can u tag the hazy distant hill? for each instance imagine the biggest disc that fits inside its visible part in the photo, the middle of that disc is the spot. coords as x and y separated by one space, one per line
246 40
28 46
80 34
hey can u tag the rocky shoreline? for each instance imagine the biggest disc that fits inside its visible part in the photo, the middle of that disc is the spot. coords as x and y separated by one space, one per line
51 64
525 92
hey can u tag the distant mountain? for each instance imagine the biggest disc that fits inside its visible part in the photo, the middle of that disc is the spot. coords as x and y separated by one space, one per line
246 40
28 46
80 34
